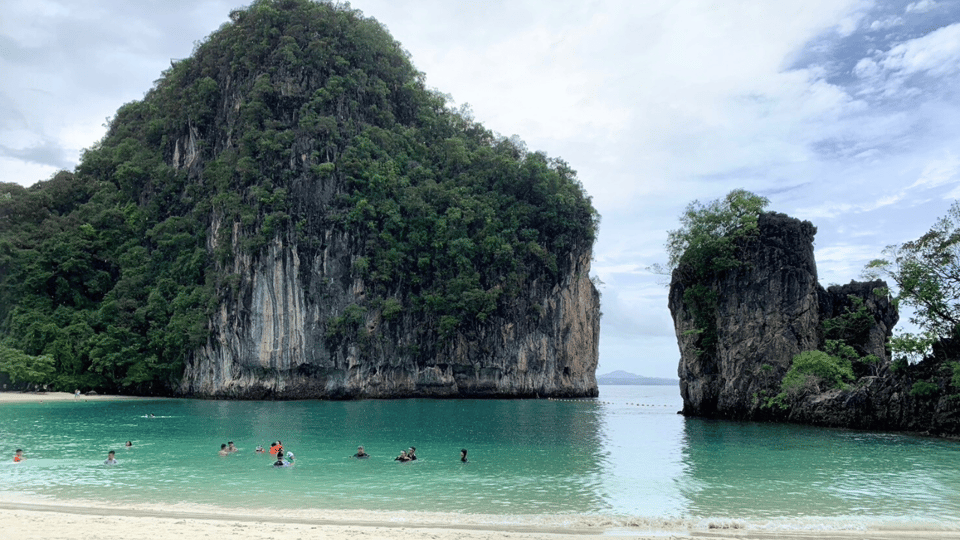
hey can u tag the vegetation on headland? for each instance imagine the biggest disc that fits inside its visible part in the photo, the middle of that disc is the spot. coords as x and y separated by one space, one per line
925 275
704 246
114 270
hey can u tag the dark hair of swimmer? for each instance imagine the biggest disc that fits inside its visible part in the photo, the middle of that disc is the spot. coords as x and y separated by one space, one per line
222 446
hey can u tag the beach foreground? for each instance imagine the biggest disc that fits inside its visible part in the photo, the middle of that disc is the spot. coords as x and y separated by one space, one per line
40 397
42 520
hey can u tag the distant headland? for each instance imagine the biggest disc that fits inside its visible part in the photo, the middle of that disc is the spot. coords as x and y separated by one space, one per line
620 377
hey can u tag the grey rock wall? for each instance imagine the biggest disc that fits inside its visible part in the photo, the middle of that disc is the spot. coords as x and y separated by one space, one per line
270 337
769 309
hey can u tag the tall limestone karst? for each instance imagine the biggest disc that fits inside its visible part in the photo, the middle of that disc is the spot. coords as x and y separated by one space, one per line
291 213
769 309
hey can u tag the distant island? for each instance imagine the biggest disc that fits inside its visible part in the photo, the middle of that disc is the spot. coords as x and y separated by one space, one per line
623 377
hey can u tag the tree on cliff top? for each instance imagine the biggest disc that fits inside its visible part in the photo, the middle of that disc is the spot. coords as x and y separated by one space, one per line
704 245
708 232
926 272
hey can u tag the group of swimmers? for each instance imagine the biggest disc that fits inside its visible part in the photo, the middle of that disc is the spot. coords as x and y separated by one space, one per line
410 454
283 459
111 455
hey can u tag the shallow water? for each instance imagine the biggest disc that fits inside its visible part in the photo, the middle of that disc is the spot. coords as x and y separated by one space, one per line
625 454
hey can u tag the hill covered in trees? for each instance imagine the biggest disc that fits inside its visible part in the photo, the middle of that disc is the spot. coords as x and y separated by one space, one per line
290 212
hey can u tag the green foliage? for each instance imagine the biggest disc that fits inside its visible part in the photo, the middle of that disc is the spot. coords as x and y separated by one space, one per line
706 239
846 335
22 367
923 389
816 371
704 246
926 272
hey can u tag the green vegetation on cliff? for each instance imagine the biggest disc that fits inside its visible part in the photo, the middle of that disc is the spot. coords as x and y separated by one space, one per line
706 245
295 117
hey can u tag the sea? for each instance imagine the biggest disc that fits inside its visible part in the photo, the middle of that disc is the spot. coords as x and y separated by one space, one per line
626 458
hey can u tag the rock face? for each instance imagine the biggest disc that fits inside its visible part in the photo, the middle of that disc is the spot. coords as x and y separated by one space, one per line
771 308
272 341
768 310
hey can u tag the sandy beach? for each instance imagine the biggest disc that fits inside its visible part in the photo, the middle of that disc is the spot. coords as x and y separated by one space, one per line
40 397
40 521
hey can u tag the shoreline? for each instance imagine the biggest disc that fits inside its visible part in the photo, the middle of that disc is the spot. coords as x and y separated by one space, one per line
40 397
75 519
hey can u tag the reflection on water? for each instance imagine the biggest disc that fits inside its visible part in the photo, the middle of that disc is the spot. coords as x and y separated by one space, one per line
779 470
626 453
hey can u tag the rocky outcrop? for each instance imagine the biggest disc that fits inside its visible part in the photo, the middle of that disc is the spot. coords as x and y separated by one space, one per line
272 341
771 308
365 240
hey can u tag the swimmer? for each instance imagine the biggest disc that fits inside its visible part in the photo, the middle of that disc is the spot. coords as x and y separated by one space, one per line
279 462
360 453
402 458
18 457
259 449
412 453
289 458
276 447
129 444
232 448
111 458
223 450
463 455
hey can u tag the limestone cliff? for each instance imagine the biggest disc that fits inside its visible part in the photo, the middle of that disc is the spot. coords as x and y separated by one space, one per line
771 308
384 245
271 341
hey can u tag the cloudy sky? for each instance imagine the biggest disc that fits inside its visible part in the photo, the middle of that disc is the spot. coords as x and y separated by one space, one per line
842 112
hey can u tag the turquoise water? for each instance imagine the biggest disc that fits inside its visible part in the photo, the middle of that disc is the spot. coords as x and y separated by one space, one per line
625 454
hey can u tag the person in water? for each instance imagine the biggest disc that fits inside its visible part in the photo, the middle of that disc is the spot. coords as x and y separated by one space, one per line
111 458
276 447
289 457
18 457
279 462
129 444
361 454
412 453
223 450
259 449
231 448
402 458
463 455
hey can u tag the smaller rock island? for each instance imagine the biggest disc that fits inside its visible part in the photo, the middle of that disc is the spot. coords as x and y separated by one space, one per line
740 352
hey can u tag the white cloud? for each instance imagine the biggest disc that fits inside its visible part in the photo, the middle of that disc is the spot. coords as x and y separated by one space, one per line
886 23
922 6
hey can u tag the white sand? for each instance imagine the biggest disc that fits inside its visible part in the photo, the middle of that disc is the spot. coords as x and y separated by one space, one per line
41 519
40 397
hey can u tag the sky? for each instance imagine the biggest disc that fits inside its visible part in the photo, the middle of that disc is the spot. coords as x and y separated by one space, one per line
845 113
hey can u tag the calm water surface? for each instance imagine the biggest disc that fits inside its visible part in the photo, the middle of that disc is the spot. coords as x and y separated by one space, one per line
626 454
